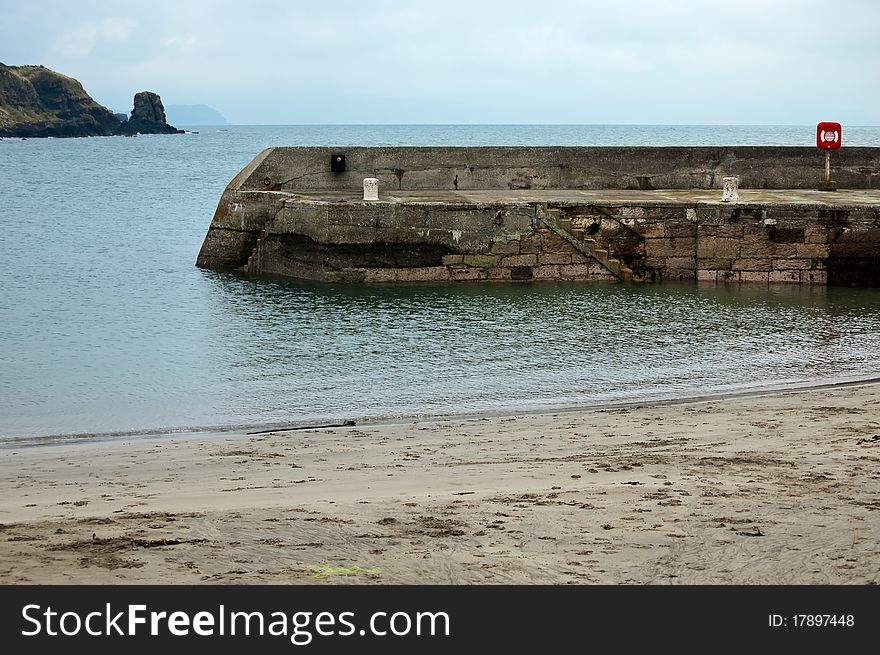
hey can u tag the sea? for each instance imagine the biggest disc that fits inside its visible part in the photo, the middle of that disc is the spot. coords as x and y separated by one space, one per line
108 328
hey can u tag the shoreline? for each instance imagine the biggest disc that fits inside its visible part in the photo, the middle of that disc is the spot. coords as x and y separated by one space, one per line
776 488
248 429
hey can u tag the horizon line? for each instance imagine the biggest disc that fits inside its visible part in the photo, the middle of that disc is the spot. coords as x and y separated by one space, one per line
516 125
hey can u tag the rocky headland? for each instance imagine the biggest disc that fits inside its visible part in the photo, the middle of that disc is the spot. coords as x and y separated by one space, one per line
38 102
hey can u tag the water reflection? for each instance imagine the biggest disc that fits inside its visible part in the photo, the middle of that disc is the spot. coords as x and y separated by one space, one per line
319 350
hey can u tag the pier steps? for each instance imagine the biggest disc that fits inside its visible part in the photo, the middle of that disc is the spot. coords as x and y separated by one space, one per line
578 238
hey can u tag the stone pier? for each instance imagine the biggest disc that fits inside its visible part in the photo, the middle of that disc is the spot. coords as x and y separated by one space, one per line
586 214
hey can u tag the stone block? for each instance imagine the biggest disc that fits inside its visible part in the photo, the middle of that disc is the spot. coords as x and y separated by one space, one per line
555 243
754 276
750 215
687 263
665 213
786 250
755 248
580 272
466 274
731 231
704 275
480 261
578 257
631 212
652 230
785 277
679 274
814 277
521 273
708 216
705 247
608 228
744 264
784 216
814 250
757 232
715 264
506 247
415 274
655 262
423 274
554 258
815 235
532 243
791 263
498 273
853 216
727 247
452 260
789 235
548 272
679 230
520 260
381 275
676 247
728 276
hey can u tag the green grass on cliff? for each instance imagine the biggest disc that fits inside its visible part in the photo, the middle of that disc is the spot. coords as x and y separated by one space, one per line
10 116
34 96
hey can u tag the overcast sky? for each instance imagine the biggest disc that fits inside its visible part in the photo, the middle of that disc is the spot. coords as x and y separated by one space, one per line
452 61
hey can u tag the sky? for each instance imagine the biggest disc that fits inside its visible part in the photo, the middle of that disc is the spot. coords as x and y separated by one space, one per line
769 62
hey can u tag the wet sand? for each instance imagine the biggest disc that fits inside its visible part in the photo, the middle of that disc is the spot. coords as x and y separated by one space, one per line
781 488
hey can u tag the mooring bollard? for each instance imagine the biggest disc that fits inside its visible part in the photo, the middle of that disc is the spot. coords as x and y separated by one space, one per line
731 185
371 188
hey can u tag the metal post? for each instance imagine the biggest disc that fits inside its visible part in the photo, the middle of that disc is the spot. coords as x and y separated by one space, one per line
827 165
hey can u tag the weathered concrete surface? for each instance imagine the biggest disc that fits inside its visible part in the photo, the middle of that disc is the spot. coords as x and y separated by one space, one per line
466 168
793 235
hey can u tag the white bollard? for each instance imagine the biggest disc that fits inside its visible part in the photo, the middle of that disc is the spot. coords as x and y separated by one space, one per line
371 188
731 184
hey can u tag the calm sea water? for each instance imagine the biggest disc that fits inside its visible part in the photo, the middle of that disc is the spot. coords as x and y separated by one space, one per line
106 325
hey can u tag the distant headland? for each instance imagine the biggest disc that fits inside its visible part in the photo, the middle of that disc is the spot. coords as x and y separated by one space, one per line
194 115
38 102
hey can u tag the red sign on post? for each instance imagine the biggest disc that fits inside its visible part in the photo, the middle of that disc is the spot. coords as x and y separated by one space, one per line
828 135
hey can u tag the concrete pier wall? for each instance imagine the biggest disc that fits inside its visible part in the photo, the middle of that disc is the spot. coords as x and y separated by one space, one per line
643 214
452 169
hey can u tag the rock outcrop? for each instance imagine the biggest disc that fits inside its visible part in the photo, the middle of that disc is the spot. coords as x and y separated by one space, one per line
148 116
38 102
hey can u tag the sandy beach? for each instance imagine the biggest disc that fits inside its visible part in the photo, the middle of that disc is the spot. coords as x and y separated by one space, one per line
778 488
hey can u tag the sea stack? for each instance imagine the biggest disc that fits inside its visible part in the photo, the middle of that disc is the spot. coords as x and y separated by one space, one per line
148 116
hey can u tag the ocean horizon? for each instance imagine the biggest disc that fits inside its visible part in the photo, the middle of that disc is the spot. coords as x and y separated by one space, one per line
500 134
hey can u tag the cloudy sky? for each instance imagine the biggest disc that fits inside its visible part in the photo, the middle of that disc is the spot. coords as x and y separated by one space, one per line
452 61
